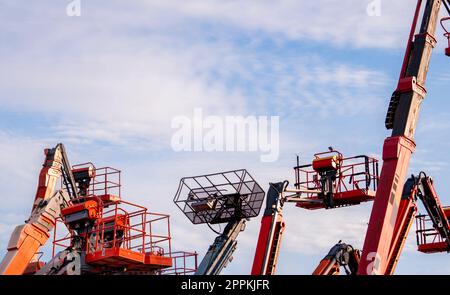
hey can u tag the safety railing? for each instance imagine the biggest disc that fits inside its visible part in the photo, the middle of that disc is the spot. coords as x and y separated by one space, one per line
219 197
129 226
446 33
62 238
106 182
354 173
122 225
183 263
426 234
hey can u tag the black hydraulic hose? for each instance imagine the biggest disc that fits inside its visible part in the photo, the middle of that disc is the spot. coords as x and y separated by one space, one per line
447 5
422 175
216 232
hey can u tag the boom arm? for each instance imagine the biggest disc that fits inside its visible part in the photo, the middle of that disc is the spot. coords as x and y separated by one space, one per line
406 212
56 164
221 251
271 232
26 239
401 118
340 255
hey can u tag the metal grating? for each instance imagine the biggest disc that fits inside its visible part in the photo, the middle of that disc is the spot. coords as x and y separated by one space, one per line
220 197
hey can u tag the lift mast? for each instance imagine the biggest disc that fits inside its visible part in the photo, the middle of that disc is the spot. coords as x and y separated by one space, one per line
402 118
26 239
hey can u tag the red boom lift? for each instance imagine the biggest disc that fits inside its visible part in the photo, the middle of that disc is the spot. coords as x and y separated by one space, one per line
392 215
330 181
390 218
433 230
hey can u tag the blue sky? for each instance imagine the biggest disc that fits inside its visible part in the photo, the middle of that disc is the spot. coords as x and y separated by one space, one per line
109 82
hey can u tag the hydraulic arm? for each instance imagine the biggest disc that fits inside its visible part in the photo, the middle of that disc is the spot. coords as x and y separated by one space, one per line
221 251
341 255
330 181
271 232
402 118
26 239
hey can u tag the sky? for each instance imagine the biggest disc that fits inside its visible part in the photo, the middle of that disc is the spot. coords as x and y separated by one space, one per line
109 82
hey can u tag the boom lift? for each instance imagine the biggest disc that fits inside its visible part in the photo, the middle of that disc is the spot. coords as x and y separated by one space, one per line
229 197
271 231
433 230
26 239
437 237
102 234
107 235
330 181
340 255
390 213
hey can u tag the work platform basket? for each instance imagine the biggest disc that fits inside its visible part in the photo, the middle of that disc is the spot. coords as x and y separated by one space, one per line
429 240
220 197
115 234
355 180
446 34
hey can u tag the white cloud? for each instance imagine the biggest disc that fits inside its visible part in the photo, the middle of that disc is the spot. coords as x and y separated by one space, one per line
120 72
22 158
132 94
342 23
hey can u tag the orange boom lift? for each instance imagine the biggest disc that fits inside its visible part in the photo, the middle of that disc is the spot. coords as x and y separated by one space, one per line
94 230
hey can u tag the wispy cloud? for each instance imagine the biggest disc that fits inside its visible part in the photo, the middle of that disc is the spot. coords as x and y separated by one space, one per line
109 82
343 23
131 94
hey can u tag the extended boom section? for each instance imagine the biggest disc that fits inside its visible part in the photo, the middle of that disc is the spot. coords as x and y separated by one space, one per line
402 118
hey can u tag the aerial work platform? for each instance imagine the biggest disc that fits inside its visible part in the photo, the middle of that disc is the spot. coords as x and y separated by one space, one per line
429 240
220 197
115 234
332 181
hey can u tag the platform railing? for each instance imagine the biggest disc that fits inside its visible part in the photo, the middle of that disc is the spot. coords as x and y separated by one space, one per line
122 225
106 181
354 173
425 232
132 230
183 263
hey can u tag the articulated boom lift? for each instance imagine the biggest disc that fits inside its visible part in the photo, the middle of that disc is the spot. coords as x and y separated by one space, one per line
392 208
102 234
330 181
433 230
230 197
26 239
341 255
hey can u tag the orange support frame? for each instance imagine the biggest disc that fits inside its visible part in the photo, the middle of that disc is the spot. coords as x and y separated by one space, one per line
125 235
